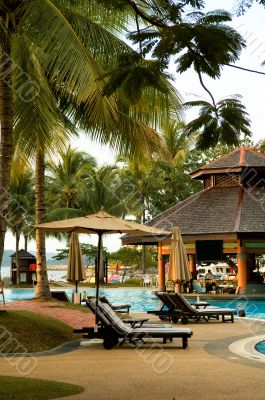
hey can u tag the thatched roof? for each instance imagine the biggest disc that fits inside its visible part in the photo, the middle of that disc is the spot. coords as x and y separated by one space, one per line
235 161
217 210
23 254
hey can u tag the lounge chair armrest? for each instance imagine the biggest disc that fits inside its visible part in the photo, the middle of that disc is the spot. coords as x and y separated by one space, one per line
134 322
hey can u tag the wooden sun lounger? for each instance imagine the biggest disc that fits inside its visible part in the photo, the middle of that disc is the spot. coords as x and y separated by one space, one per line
189 312
60 295
135 323
168 310
112 328
117 307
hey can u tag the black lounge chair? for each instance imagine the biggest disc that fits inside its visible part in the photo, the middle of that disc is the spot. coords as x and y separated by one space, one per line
135 323
60 295
112 328
186 311
168 310
117 307
171 310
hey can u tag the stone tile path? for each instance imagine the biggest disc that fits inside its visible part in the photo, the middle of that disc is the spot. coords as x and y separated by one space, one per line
74 318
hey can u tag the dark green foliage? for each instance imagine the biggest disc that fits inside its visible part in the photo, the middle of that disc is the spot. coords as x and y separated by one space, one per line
88 250
244 5
223 122
131 259
202 40
134 74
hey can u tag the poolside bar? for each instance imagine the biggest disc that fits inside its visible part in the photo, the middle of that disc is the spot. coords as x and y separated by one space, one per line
222 223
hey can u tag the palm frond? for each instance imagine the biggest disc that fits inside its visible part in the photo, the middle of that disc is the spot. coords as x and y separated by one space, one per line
35 108
61 42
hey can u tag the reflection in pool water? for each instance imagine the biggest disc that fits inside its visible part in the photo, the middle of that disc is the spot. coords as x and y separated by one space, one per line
145 299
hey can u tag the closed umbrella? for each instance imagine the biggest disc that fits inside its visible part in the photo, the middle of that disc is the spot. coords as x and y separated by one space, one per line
99 223
178 270
75 269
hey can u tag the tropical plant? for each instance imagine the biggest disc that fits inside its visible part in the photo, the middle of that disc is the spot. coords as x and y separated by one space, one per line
202 41
243 5
88 250
103 191
21 200
41 81
223 122
66 179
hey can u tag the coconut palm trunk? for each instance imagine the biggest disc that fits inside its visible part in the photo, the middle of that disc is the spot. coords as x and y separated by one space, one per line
17 252
25 242
6 143
42 288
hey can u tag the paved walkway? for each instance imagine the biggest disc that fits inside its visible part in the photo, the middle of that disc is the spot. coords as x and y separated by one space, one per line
74 318
207 370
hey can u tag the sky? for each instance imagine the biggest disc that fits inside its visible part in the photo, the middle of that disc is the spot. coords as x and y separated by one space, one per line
249 85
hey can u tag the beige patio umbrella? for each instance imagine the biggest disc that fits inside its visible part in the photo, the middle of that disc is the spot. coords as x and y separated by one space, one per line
99 223
75 269
178 270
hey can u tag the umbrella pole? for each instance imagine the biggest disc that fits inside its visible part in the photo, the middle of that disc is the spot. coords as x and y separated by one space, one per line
76 283
97 273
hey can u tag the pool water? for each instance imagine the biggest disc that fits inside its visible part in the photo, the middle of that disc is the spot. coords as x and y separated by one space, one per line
254 308
143 300
260 347
140 300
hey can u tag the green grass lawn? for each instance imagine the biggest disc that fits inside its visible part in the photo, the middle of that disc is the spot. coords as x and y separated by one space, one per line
31 389
34 332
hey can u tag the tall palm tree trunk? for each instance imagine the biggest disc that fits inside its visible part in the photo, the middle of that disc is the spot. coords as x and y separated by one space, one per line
42 289
26 242
17 253
143 256
6 143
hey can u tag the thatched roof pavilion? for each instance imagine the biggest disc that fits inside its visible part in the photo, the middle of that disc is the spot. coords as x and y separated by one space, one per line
227 213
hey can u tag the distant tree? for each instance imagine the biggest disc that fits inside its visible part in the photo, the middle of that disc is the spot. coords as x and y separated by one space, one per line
261 146
130 259
88 250
21 201
66 178
242 6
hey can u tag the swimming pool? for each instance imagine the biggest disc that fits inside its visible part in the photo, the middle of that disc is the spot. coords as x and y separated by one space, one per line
140 299
260 347
143 300
254 308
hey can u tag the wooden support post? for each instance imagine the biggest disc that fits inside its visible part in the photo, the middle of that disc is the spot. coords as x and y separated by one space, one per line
161 270
192 263
251 265
242 266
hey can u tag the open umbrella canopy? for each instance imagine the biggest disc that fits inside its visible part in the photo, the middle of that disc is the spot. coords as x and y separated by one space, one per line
178 270
102 222
99 223
75 269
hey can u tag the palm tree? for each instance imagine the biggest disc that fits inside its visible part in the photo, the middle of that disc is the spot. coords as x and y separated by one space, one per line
41 42
104 191
104 187
21 200
66 179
